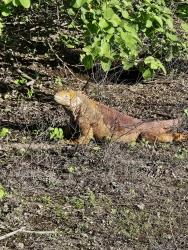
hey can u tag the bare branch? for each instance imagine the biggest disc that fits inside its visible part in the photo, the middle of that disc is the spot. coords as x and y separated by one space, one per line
22 230
11 234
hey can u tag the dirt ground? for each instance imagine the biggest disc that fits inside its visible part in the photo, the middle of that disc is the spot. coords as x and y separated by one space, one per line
100 196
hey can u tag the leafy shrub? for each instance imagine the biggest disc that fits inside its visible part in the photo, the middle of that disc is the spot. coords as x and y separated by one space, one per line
7 6
137 33
4 132
3 192
145 34
56 133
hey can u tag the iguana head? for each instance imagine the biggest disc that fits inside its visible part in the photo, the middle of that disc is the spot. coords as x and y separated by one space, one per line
68 98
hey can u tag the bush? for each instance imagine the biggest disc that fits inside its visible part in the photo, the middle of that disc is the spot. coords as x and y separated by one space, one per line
145 34
7 6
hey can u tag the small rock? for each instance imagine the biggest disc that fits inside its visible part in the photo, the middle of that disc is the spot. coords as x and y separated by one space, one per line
20 245
141 206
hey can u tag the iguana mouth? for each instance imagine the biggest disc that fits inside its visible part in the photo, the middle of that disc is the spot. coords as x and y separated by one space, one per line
58 99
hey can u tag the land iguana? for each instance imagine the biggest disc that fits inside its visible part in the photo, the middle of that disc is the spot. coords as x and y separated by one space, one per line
99 121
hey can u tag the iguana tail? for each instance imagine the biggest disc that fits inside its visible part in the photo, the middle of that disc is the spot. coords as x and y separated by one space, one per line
164 137
161 131
180 136
165 124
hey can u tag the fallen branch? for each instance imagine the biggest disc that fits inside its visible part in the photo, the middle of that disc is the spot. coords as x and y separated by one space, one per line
25 75
11 234
38 232
160 81
22 230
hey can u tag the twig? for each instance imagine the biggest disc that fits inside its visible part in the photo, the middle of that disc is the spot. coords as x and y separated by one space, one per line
59 58
24 75
160 81
22 230
86 86
38 232
11 234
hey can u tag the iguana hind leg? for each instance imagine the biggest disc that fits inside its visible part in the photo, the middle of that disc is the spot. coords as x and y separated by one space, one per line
126 137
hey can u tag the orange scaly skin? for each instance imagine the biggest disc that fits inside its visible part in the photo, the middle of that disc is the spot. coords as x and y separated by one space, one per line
99 121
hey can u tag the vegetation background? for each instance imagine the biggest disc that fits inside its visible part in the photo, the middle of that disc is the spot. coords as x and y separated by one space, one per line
131 55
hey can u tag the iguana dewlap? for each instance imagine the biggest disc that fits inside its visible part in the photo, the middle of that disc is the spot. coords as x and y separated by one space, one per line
99 121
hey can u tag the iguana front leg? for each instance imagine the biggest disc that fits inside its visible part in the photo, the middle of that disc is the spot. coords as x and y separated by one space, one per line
86 131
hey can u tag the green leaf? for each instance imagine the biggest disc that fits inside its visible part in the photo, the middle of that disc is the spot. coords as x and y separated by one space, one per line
103 23
56 133
115 20
182 11
105 49
7 1
110 15
149 23
71 169
106 65
125 14
148 73
4 132
158 19
115 3
79 3
149 60
154 63
127 3
87 61
167 11
172 37
92 27
160 30
107 12
163 68
128 39
70 12
169 56
185 111
3 192
1 27
169 22
111 30
132 28
95 48
5 11
25 3
184 26
16 3
127 65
